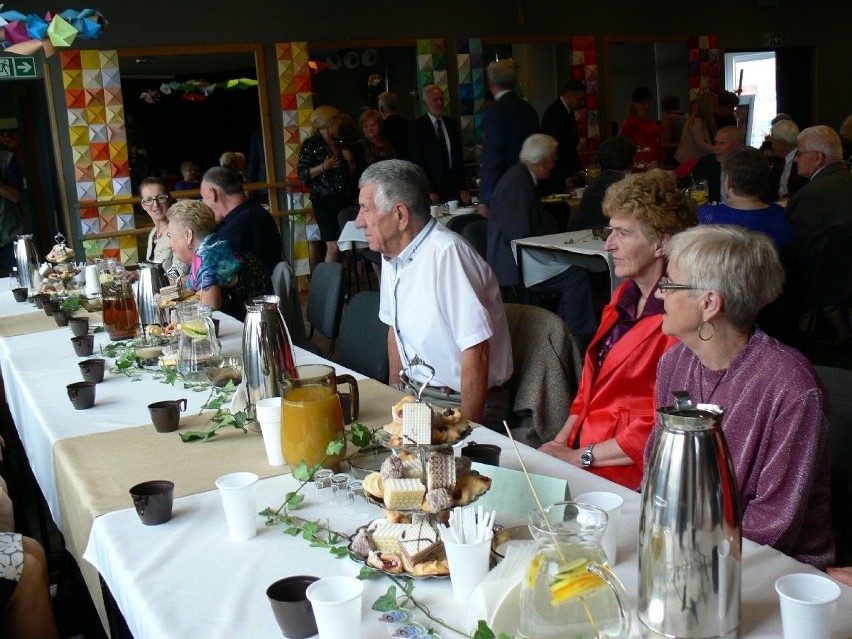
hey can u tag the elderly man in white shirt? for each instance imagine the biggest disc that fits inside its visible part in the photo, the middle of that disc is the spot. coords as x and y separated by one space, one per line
440 300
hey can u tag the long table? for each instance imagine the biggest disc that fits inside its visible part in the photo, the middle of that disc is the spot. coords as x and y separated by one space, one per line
186 577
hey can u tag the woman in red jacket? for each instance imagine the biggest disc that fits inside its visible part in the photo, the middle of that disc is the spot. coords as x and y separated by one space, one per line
613 412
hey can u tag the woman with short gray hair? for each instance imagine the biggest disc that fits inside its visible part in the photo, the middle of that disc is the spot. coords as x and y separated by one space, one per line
775 420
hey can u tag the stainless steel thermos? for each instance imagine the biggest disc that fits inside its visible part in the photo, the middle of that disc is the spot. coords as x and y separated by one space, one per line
690 533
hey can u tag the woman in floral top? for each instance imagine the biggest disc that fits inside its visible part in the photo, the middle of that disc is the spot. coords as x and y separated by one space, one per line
224 278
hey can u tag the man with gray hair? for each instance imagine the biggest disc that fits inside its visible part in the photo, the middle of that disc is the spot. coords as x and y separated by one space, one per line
440 300
395 127
508 122
822 208
784 179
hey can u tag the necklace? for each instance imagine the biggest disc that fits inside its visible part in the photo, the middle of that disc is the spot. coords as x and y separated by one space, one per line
715 386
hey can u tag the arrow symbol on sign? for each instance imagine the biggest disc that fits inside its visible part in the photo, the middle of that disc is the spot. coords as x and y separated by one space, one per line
24 66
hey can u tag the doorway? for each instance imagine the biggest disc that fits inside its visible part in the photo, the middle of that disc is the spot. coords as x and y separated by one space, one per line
25 130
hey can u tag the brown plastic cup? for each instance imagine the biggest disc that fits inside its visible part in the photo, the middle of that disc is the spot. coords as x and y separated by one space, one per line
84 345
49 307
482 453
153 501
92 370
81 394
166 414
291 607
79 325
60 317
39 299
20 294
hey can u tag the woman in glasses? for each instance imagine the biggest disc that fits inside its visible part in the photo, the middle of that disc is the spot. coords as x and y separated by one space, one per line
613 411
775 420
155 202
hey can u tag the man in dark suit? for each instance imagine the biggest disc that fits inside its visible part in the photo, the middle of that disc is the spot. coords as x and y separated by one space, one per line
784 178
395 127
821 208
516 207
560 122
508 122
434 143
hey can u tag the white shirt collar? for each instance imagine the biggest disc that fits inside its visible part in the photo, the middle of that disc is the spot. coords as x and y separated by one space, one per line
500 94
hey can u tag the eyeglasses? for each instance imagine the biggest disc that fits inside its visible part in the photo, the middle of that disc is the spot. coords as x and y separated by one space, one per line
665 284
161 199
798 153
601 232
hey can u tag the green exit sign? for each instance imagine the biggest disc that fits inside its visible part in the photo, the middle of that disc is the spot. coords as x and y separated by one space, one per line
17 67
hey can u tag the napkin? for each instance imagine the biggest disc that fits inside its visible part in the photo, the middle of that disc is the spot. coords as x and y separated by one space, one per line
510 493
497 598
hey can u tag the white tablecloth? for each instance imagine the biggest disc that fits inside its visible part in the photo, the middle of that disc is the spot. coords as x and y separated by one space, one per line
186 578
8 305
37 367
354 238
540 258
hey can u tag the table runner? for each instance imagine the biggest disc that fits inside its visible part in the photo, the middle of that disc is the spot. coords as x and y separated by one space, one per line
37 322
95 472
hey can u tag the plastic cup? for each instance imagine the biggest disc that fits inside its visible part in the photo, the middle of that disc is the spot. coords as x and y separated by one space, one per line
239 499
808 603
611 504
291 607
268 413
469 564
337 606
453 205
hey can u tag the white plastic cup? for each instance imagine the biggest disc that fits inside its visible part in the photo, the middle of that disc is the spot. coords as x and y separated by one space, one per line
469 564
337 606
808 603
268 413
452 205
611 504
435 210
239 499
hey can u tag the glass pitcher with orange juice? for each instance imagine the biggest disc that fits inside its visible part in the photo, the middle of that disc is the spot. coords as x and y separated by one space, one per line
311 416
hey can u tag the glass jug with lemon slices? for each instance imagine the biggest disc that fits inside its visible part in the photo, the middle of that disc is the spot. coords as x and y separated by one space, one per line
569 590
197 343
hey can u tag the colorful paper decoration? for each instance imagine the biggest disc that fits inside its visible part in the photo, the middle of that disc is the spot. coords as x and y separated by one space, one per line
703 69
26 34
584 58
98 141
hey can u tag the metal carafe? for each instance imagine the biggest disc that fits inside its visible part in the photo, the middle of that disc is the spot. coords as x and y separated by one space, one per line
267 351
152 278
690 536
27 260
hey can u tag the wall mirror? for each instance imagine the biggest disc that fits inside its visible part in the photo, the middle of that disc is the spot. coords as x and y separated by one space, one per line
169 124
660 64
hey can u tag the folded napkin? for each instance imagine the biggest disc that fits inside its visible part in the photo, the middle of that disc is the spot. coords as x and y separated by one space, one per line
497 598
510 493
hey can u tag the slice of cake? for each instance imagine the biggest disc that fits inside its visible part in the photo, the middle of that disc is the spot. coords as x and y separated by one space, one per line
416 423
420 543
440 471
386 537
403 494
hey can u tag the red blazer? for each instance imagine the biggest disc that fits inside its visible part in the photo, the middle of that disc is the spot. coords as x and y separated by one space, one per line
618 400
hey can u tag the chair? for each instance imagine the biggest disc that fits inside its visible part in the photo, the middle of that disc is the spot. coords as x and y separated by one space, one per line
827 282
363 342
355 256
838 382
476 233
458 222
325 301
284 286
546 372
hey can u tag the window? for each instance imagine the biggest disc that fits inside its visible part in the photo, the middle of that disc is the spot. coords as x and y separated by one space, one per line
757 70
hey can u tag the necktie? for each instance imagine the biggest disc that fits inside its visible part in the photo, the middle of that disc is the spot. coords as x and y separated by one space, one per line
442 141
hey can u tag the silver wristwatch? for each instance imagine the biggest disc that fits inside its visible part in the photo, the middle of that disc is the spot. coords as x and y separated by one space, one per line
587 457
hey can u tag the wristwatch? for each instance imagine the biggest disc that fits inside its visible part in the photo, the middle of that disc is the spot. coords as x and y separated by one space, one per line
587 457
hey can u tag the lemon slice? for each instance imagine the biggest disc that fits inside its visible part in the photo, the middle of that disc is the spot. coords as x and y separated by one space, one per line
533 571
195 328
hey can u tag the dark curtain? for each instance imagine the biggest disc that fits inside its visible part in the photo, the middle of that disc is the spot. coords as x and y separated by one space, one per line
794 83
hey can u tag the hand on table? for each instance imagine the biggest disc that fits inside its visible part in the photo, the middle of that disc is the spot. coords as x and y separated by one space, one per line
483 209
841 574
563 452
